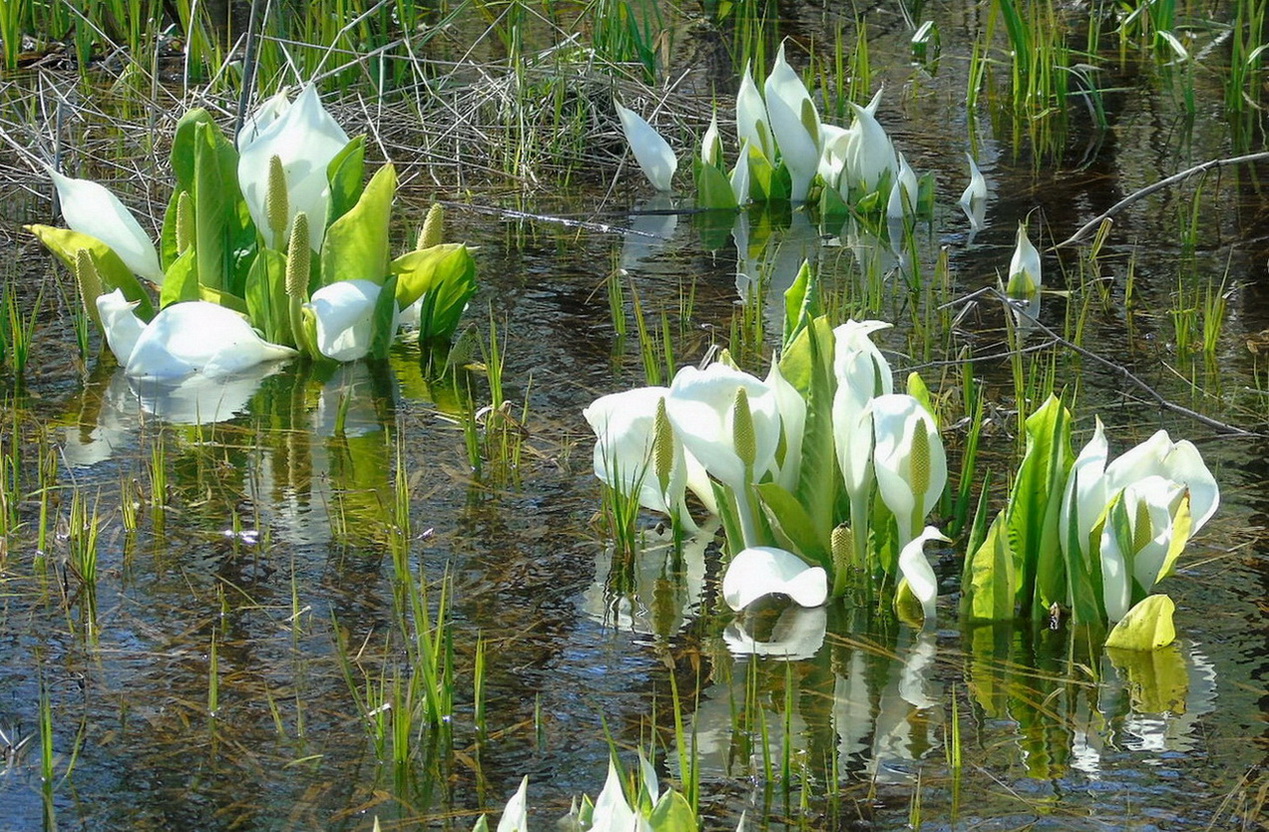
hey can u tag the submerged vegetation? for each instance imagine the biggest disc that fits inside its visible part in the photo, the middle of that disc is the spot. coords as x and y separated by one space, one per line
882 508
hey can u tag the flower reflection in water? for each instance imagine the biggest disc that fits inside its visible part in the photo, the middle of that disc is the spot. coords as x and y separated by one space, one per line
650 594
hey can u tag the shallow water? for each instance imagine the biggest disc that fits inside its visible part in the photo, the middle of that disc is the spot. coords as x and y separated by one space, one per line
274 549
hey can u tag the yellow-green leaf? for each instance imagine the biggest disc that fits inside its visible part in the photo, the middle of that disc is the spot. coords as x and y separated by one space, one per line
1147 626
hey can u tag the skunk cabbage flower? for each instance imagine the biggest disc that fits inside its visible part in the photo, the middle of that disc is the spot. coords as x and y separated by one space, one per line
90 209
795 123
752 121
703 408
651 150
903 192
918 573
740 175
515 817
792 409
870 155
611 812
909 460
1024 268
120 324
259 121
1179 462
345 318
185 338
305 139
759 571
862 374
1142 554
1085 497
712 144
628 427
974 199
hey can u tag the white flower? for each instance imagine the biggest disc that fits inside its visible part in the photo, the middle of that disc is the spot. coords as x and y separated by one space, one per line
795 123
305 138
90 209
759 571
197 337
345 318
651 150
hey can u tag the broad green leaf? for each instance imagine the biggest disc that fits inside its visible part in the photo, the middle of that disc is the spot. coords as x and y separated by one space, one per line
184 142
672 814
990 583
1083 574
1147 626
419 270
789 520
801 302
713 188
385 321
798 359
818 476
113 273
918 390
268 306
181 281
448 273
212 204
356 244
167 236
346 173
1034 504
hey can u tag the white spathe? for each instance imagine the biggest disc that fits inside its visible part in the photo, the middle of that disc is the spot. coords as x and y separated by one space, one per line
624 458
1179 462
702 407
515 817
90 209
305 138
270 111
795 123
345 318
752 121
916 570
187 338
1085 497
904 191
974 198
1024 268
908 484
759 571
870 156
653 153
120 324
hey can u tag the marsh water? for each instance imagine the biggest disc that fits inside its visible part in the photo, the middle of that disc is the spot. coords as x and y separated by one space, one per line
244 634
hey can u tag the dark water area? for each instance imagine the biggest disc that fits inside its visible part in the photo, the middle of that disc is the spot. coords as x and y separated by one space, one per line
245 633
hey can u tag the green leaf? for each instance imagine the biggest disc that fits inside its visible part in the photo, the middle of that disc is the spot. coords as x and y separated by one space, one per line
268 305
990 583
1147 626
215 186
1034 504
345 174
790 520
385 320
713 189
356 244
445 277
113 273
672 814
167 236
801 302
818 476
181 281
184 142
